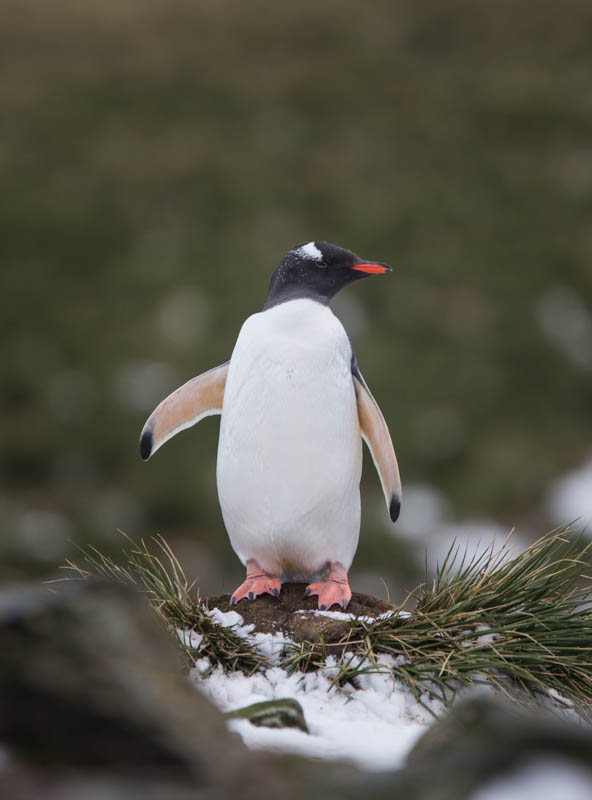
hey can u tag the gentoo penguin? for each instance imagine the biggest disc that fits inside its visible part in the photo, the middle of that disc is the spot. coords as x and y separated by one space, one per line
295 409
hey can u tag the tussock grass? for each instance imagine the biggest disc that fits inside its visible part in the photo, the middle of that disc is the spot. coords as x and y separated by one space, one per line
521 624
161 578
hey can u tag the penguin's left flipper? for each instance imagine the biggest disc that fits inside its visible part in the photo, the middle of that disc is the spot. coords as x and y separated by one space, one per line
376 435
186 406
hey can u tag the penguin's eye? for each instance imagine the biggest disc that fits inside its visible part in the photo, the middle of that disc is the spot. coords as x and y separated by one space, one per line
322 264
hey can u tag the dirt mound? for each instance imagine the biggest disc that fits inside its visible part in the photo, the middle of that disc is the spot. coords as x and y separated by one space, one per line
298 617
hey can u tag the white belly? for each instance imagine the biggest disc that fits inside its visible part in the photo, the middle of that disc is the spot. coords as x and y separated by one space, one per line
290 450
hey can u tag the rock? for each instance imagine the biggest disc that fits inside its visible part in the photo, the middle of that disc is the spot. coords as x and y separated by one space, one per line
95 703
89 677
483 737
282 713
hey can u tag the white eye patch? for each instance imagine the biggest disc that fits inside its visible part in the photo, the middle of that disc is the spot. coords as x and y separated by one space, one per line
311 251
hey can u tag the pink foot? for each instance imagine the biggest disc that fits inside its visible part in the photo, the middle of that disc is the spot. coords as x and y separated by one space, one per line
334 590
257 582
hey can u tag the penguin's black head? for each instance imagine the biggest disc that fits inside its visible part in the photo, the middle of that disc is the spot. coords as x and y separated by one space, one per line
317 271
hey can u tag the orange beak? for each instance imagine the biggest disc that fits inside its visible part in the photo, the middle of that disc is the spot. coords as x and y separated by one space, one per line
372 268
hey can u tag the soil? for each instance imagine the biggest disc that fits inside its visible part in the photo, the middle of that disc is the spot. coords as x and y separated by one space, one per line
296 616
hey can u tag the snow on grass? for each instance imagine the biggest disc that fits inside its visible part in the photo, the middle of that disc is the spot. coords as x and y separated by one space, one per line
372 725
346 617
190 638
230 619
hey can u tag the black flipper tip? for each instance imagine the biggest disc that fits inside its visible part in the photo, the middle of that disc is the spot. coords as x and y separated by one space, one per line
146 445
395 507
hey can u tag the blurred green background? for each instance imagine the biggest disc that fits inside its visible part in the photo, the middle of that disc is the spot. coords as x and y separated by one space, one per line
158 158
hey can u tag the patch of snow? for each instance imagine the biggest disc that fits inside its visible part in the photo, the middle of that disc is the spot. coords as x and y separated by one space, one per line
571 496
373 724
340 615
400 613
270 645
545 779
230 619
486 636
201 665
310 250
346 617
190 638
559 697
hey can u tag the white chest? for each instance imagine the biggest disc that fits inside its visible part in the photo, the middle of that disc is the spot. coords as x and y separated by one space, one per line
289 456
298 349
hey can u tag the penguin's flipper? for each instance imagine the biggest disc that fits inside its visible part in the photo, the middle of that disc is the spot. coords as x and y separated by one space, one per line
198 398
376 435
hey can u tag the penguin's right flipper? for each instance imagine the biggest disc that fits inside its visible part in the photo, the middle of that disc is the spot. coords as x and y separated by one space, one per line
376 434
198 398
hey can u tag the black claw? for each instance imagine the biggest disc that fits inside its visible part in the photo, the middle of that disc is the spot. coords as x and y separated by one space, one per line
323 607
251 596
345 604
276 593
306 593
232 601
